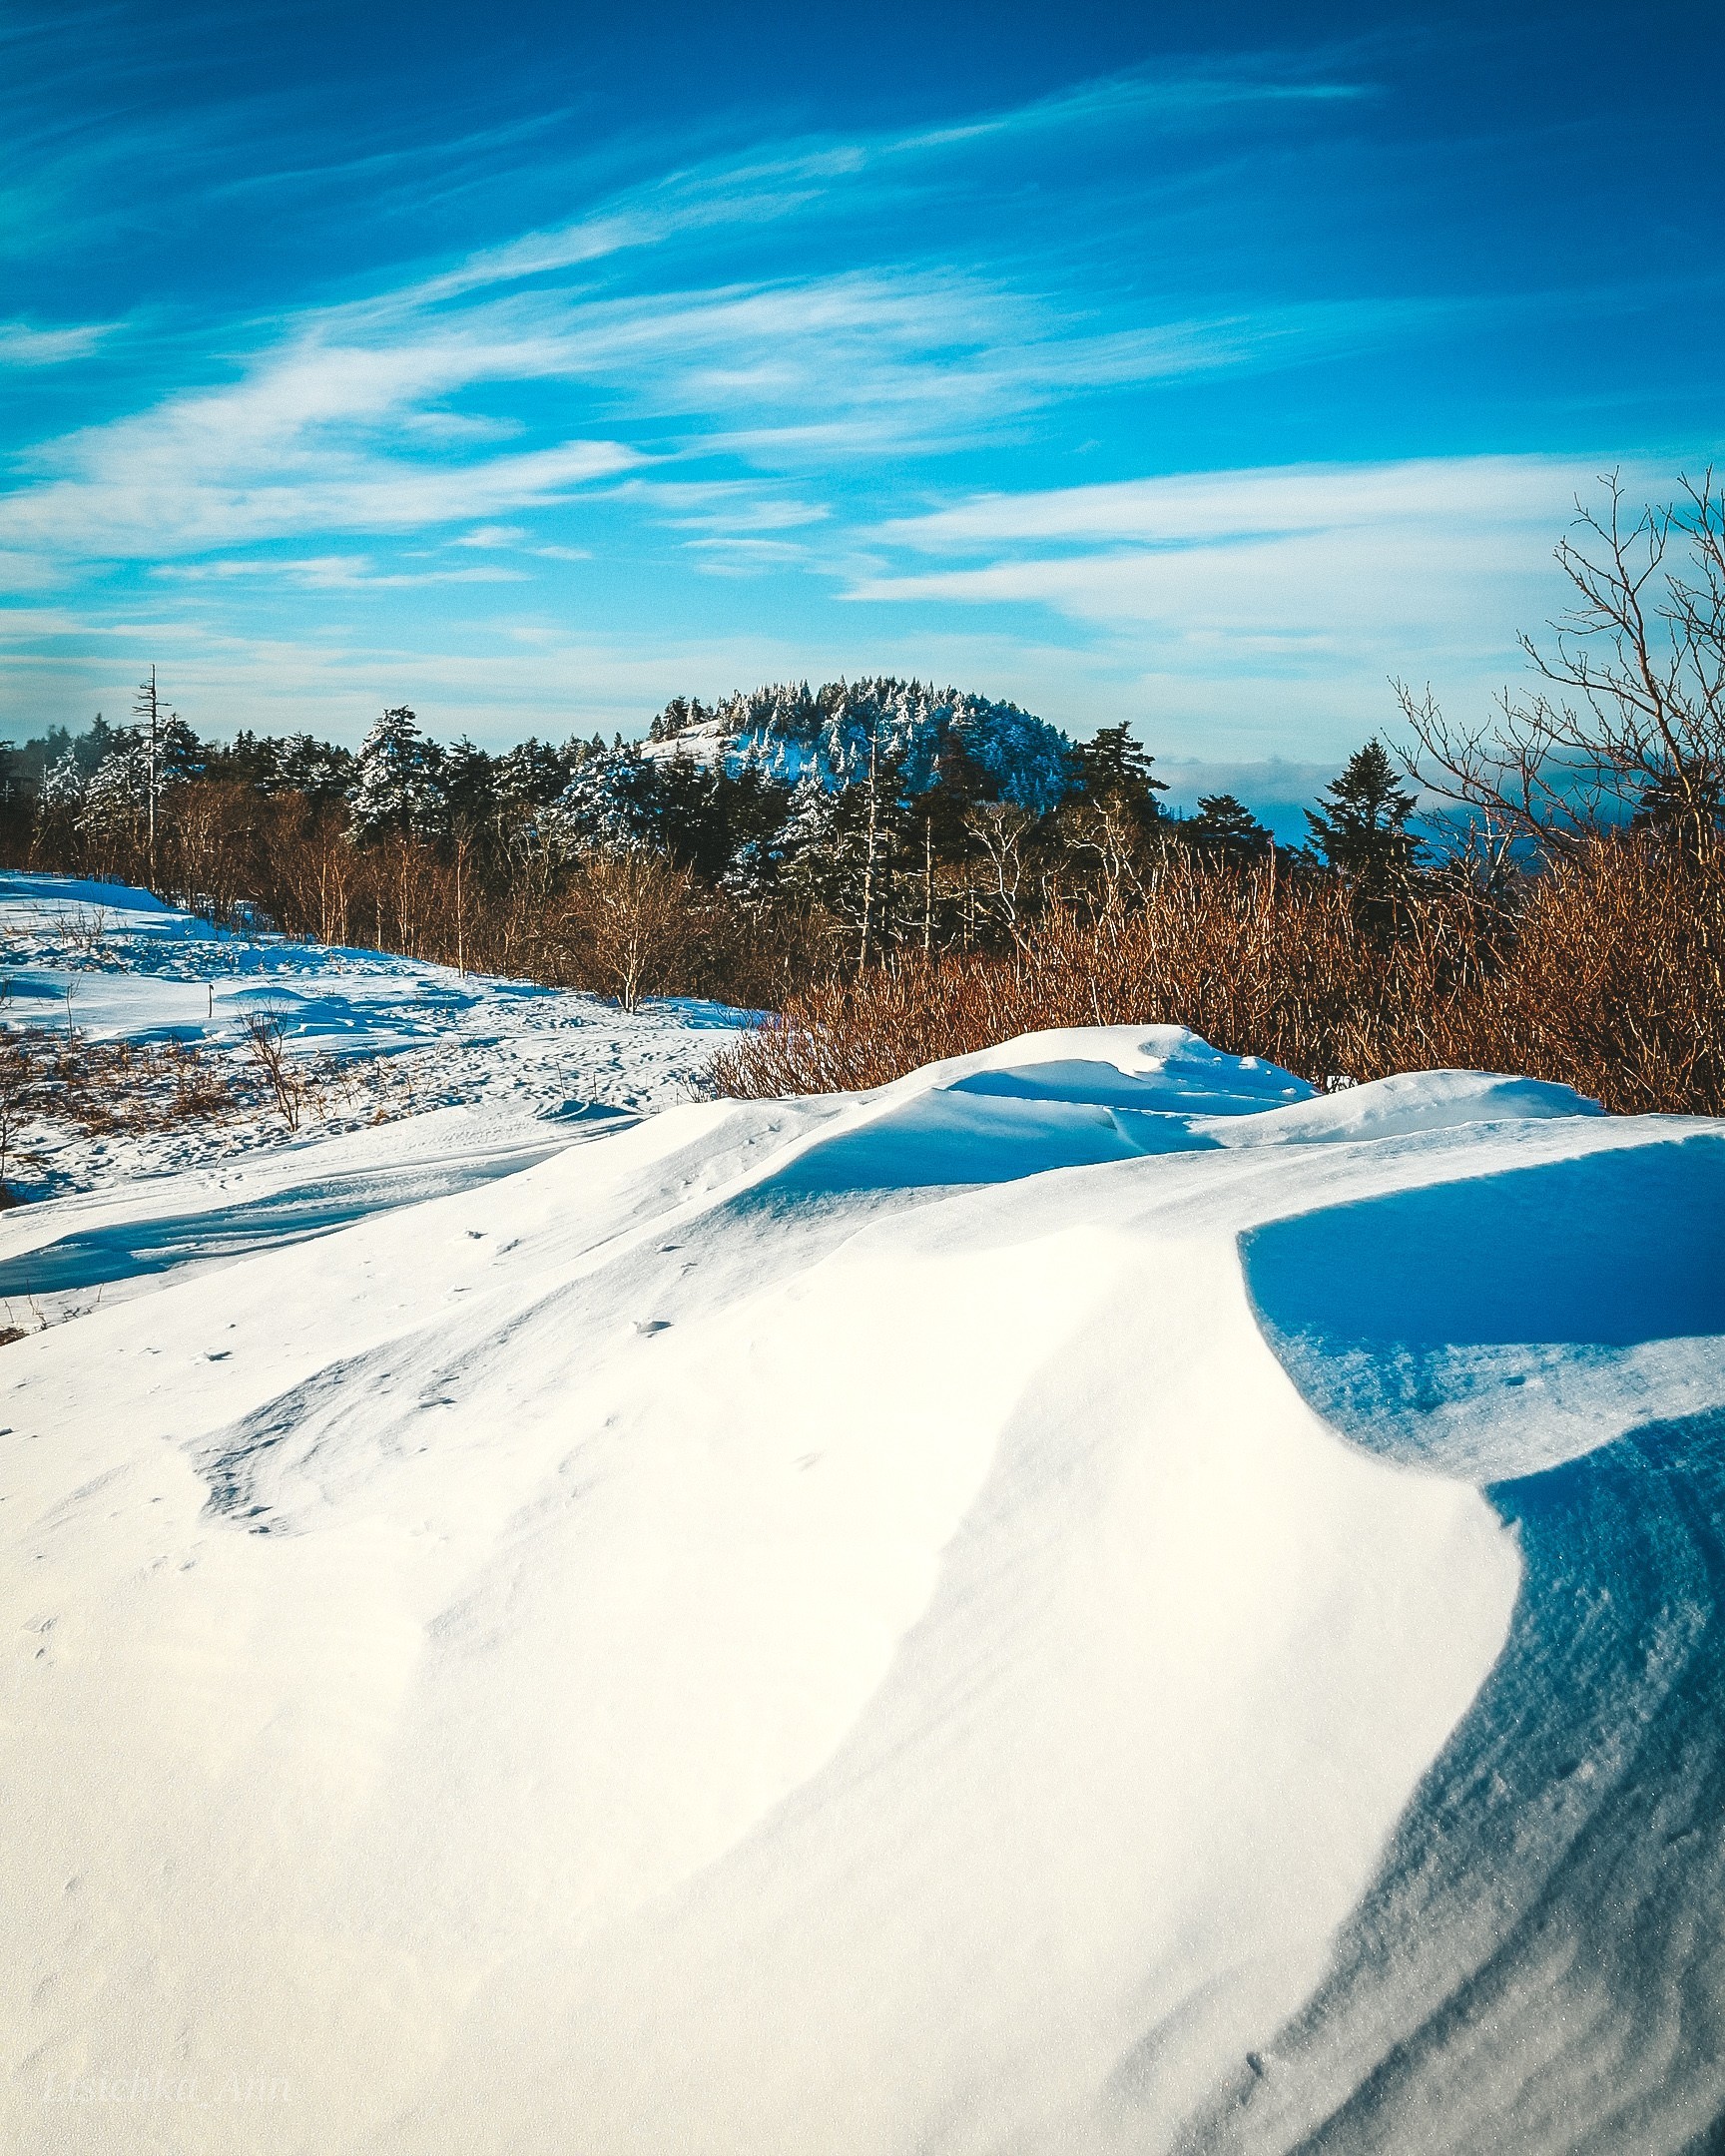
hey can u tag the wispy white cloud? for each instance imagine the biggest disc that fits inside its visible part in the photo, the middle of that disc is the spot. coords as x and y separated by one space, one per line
379 415
1267 566
335 572
1257 598
735 554
1149 95
305 442
325 431
721 506
1230 507
649 377
24 347
757 186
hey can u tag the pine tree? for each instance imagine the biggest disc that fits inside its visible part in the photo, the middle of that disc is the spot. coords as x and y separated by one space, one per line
1667 804
468 782
63 786
125 791
1113 771
94 745
1226 828
396 782
533 774
610 806
59 797
116 797
1363 834
320 769
834 851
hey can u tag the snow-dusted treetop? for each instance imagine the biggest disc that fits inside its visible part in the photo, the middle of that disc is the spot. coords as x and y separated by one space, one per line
791 731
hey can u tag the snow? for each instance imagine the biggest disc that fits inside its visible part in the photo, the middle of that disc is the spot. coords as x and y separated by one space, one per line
827 737
1089 1599
388 1034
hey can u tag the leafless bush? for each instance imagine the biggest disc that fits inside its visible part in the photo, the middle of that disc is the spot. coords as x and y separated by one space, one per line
102 1086
627 923
1259 964
1608 976
267 1049
83 929
1615 982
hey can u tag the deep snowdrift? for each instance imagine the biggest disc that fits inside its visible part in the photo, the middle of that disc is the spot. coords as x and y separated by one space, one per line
1087 1600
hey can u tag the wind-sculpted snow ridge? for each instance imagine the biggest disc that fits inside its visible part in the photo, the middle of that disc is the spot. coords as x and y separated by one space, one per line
1090 1599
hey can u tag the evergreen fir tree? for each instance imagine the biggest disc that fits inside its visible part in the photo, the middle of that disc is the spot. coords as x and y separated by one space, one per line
95 745
396 782
533 774
116 796
610 806
1225 829
1362 831
469 784
1113 771
130 780
63 782
60 800
320 771
1665 806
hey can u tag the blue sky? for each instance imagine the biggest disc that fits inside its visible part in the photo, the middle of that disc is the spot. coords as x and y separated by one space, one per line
1201 366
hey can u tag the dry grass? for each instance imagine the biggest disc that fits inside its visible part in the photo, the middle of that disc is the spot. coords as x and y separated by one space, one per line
103 1086
53 1078
100 1088
1607 978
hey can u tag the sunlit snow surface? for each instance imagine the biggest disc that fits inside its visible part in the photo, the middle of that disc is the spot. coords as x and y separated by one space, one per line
111 964
1087 1600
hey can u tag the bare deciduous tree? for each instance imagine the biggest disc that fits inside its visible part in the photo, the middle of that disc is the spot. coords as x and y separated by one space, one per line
627 921
998 828
1628 714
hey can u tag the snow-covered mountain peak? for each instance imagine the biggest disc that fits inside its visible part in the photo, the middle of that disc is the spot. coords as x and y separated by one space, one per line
791 731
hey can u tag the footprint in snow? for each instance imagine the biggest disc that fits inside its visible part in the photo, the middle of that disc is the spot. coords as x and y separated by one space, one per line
652 1324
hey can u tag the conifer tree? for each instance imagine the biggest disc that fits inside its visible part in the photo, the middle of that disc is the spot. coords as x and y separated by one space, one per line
60 800
1227 827
63 784
468 782
1113 771
1362 831
396 782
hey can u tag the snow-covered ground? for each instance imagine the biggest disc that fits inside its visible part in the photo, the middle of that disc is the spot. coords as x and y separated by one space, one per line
1087 1600
378 1035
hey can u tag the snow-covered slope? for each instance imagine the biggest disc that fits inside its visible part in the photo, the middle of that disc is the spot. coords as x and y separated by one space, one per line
1088 1600
392 1035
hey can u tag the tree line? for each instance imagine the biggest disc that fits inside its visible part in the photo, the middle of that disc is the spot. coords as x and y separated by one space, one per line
795 844
739 879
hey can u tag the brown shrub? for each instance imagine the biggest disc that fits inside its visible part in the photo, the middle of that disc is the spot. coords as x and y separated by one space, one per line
1608 978
627 923
1615 983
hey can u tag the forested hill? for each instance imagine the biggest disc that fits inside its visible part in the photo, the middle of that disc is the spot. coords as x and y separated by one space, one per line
789 732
